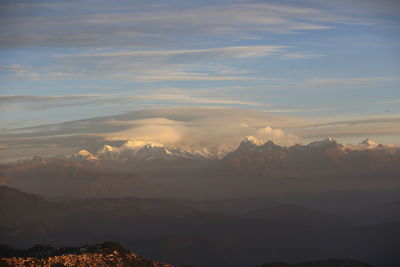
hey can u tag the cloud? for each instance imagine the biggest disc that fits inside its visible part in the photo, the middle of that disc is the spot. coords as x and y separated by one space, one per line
277 135
218 129
188 77
169 65
168 96
215 131
299 110
229 51
141 23
185 98
45 98
39 73
43 102
386 119
149 65
364 127
393 101
301 55
352 81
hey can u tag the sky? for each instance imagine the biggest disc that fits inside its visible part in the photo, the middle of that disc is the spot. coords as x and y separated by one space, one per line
292 71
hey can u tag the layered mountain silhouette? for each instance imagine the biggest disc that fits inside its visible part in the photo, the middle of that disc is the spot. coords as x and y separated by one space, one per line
325 155
113 254
198 232
142 150
260 203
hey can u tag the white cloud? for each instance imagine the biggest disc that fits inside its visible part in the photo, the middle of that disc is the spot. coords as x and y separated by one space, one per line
211 128
218 129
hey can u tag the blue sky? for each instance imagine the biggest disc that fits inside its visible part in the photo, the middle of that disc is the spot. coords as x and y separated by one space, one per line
316 61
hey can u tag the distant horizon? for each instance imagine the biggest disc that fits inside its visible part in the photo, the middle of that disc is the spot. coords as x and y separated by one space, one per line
360 145
195 127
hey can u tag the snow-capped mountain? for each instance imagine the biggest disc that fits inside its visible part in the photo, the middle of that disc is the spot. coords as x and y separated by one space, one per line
106 169
322 155
329 141
370 145
368 142
141 150
249 146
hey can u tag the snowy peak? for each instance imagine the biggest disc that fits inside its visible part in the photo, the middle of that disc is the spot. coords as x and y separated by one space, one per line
322 143
270 143
107 149
141 150
150 150
85 155
134 146
368 142
250 142
253 140
139 144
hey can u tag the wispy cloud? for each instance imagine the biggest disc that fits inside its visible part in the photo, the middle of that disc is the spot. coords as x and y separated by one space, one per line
153 65
39 98
301 55
197 127
318 83
373 126
393 101
229 51
184 98
383 120
154 23
296 110
43 102
189 77
165 96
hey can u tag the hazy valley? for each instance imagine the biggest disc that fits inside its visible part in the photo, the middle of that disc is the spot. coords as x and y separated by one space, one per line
260 203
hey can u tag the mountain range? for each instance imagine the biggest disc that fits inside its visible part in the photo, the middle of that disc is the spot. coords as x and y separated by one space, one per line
113 254
251 155
262 202
149 150
230 232
148 169
141 150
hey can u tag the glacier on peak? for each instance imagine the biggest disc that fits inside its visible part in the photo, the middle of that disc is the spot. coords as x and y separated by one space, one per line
138 144
253 140
142 149
86 155
107 148
145 150
323 142
368 142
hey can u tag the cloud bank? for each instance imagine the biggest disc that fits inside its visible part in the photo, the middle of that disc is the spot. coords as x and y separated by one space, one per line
217 129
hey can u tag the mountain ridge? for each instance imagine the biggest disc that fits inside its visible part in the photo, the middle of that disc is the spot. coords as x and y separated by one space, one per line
178 232
150 150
